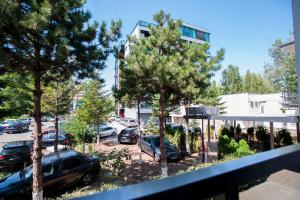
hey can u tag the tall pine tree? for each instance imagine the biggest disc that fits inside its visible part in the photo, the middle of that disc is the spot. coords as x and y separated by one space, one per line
49 39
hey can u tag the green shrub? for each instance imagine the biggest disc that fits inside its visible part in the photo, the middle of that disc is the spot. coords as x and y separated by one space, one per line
263 136
194 142
227 146
243 149
178 139
115 161
283 138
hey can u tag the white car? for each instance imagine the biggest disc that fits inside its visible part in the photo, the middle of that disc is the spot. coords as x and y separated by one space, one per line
132 123
107 131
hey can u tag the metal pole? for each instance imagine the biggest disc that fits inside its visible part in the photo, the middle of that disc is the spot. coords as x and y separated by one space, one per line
271 135
296 22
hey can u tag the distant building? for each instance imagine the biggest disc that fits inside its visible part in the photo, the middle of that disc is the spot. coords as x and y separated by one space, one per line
76 101
288 47
189 33
252 104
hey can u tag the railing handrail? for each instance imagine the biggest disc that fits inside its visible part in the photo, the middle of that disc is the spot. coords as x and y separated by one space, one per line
206 182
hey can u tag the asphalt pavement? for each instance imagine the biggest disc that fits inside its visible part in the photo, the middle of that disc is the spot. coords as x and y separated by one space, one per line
13 137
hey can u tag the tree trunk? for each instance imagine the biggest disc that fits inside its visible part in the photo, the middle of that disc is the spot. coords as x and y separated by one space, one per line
187 144
56 121
83 144
163 155
37 182
56 134
139 132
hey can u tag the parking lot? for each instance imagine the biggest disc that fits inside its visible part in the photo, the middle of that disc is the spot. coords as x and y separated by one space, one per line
13 137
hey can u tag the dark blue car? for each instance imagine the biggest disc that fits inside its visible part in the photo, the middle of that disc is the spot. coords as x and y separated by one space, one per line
59 170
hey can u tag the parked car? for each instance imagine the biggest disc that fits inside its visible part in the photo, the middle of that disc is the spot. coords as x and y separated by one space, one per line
25 121
16 127
128 135
13 155
6 123
105 131
63 138
131 123
59 170
150 144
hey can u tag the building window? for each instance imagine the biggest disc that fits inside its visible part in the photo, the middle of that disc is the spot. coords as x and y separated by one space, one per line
251 104
200 35
256 104
188 32
145 33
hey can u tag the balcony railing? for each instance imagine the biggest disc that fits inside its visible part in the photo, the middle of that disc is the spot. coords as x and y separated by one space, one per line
223 178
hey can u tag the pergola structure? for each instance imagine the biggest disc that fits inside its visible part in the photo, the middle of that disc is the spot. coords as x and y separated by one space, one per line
262 118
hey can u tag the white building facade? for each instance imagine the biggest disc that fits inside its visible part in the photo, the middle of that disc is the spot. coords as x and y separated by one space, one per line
257 104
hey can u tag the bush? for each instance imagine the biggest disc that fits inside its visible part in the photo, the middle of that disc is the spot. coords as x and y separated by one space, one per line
243 149
227 146
263 136
115 161
194 142
283 138
178 138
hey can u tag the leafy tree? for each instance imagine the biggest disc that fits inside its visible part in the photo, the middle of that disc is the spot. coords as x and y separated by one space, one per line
56 101
49 40
15 97
212 96
95 105
282 72
151 125
255 83
232 81
198 67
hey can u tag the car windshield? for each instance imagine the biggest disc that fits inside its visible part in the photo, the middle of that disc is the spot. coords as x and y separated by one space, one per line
28 171
157 142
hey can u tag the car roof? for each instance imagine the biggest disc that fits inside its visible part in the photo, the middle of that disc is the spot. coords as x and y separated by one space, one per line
129 129
61 155
16 144
151 136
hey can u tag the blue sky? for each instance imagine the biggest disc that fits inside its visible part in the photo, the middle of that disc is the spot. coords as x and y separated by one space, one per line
246 29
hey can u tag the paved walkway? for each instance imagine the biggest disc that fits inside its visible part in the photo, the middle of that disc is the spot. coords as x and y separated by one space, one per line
283 185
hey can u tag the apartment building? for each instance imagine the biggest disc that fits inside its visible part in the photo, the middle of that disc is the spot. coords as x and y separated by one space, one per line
189 33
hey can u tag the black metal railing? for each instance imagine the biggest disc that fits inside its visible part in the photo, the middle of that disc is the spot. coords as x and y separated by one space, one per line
224 178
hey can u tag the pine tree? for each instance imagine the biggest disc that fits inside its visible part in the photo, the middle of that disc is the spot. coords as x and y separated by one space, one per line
170 68
49 40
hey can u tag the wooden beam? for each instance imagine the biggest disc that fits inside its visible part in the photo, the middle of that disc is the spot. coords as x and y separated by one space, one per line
208 130
234 130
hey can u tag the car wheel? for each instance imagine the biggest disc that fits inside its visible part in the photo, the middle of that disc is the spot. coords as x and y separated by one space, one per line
87 179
